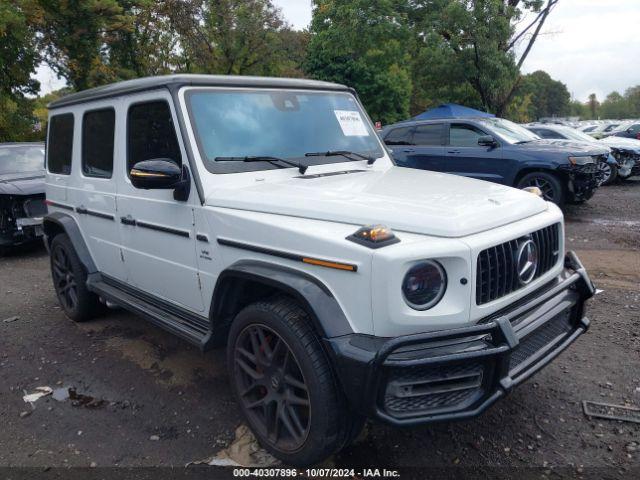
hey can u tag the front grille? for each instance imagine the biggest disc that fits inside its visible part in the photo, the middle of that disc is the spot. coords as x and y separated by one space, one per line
558 326
425 389
497 273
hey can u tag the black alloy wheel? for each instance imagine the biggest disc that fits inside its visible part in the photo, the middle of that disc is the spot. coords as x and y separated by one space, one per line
271 387
64 279
545 187
606 173
548 183
70 281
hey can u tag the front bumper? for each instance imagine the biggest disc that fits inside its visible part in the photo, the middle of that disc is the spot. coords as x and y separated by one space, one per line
457 374
25 230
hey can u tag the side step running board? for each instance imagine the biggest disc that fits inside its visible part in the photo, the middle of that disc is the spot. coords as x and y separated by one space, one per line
191 327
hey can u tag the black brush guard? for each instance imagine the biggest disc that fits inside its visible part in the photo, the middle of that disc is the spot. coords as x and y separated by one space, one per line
457 374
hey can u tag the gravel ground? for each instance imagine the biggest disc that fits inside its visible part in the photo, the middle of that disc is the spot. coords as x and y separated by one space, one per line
158 402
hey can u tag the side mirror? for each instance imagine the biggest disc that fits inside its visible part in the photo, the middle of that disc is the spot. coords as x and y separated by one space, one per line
487 141
162 174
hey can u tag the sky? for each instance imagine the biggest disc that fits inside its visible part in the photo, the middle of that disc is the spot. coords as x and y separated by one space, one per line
590 45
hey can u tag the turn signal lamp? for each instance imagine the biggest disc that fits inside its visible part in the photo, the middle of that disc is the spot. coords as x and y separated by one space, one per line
374 236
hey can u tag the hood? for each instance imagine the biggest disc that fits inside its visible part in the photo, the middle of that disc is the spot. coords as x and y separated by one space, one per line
622 143
569 147
25 183
404 199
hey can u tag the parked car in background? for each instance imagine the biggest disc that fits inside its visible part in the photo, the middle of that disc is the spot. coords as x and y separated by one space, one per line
21 193
600 130
500 151
629 129
608 168
627 153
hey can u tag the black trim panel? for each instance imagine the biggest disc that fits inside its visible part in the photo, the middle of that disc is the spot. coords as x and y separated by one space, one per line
93 213
288 255
162 228
152 226
59 205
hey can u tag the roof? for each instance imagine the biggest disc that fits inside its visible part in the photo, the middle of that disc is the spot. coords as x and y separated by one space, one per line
451 110
22 144
182 80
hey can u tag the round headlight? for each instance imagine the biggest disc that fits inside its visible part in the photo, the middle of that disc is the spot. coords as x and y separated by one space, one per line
424 285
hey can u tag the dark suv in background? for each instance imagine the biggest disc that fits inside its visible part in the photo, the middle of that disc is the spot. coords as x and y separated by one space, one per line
21 193
499 151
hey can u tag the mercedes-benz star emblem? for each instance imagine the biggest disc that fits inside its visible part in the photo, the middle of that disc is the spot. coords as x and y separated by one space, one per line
527 261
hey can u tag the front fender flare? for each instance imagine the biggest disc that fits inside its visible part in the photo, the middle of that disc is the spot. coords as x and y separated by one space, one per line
328 317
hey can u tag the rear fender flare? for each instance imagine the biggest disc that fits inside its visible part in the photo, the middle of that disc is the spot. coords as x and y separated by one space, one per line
58 222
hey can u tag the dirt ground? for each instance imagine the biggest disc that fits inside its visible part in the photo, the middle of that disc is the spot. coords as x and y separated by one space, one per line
158 402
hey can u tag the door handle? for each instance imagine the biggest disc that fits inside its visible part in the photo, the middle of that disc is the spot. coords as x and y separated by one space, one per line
409 150
128 220
453 151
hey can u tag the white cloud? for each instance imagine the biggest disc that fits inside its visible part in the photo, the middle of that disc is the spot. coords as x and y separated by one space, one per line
590 45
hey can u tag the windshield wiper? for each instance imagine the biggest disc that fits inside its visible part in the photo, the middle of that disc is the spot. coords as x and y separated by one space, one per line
343 153
272 160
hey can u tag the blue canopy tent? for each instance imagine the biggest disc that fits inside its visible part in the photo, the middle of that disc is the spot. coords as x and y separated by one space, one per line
451 110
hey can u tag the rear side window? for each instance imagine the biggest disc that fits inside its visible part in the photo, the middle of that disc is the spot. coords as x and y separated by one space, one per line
60 141
399 136
98 128
151 134
462 135
428 135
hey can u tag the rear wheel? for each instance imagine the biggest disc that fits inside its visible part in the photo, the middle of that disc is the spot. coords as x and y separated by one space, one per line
285 385
548 183
70 281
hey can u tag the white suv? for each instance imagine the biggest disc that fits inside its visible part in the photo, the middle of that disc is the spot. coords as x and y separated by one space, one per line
265 214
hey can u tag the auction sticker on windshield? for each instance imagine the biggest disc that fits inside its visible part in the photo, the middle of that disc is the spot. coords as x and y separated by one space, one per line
351 123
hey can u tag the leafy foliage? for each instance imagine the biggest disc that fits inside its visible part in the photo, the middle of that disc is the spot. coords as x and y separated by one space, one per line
18 60
363 44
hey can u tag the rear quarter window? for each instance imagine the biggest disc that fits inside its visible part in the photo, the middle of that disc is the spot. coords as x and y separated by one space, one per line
60 144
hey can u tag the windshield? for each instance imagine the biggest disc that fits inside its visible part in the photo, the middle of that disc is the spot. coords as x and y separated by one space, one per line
510 132
281 124
573 134
21 159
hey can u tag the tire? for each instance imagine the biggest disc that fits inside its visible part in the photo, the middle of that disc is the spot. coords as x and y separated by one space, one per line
285 385
608 173
70 281
552 188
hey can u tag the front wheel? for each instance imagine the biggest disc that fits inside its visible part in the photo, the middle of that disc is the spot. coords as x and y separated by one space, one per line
607 174
285 385
548 183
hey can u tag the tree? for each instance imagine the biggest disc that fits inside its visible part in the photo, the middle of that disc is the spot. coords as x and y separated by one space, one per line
18 58
481 39
549 97
147 45
230 37
363 44
75 35
593 105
